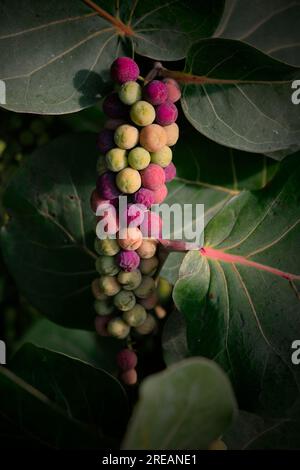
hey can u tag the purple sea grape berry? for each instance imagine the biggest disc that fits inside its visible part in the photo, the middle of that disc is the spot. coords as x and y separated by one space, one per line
170 172
128 260
126 359
124 69
133 215
105 140
153 177
106 186
129 377
145 197
160 194
166 113
114 108
174 93
156 92
112 124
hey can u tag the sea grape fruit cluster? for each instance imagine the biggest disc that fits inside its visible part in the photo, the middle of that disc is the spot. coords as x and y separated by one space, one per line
135 161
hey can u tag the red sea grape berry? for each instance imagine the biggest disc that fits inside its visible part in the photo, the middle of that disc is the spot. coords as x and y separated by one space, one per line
152 225
156 92
114 108
124 69
129 377
160 194
170 172
144 196
101 323
153 177
128 260
174 93
166 113
106 186
126 359
96 200
105 140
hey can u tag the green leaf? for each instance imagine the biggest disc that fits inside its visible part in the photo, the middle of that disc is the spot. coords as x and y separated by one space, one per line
60 402
240 294
241 98
174 341
251 431
55 58
256 24
97 351
48 241
211 174
187 406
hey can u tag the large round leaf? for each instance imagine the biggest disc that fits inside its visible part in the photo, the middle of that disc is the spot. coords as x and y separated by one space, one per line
48 242
240 293
55 58
240 97
185 407
271 26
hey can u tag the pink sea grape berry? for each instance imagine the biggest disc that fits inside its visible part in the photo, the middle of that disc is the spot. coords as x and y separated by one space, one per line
156 92
170 172
166 113
124 69
174 93
145 197
128 260
153 176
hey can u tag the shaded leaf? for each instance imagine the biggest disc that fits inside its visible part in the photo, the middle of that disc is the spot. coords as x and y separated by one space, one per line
174 340
240 294
185 407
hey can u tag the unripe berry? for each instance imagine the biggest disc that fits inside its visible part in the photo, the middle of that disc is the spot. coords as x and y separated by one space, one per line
135 316
153 176
124 300
128 260
156 92
126 136
103 307
126 359
162 157
101 324
128 180
170 172
129 377
109 285
124 69
149 266
106 246
153 137
118 328
160 194
116 159
105 140
114 108
101 165
164 290
139 158
166 113
218 444
106 186
160 312
150 302
112 124
131 280
148 326
151 227
107 265
145 197
174 93
172 132
130 92
146 288
147 249
97 292
130 238
142 113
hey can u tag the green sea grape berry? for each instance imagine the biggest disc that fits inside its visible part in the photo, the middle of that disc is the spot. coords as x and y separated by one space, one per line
107 265
130 92
128 180
116 159
162 157
107 246
142 113
118 328
103 307
130 280
124 300
135 316
126 136
139 158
